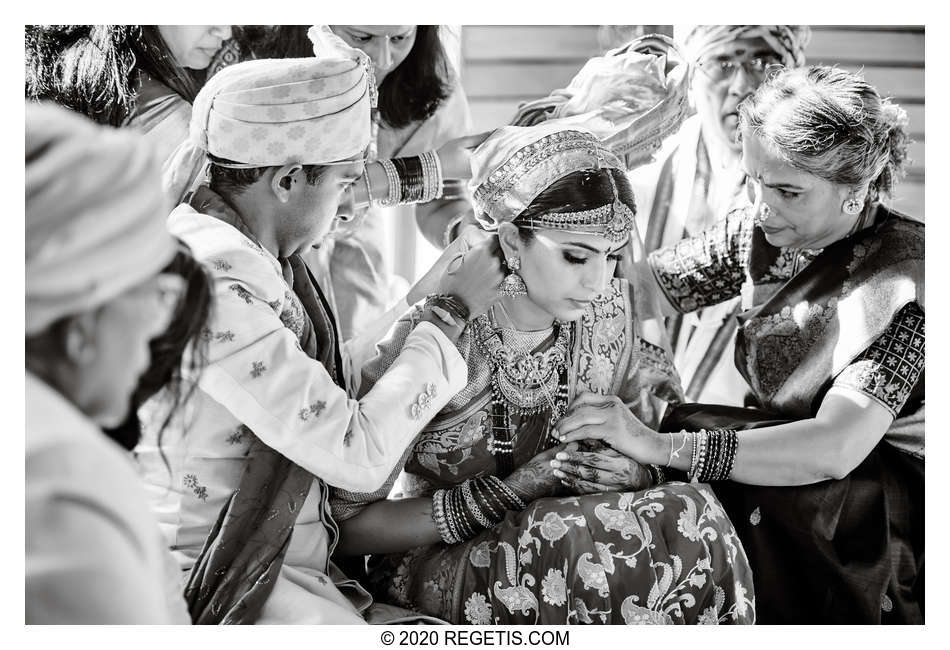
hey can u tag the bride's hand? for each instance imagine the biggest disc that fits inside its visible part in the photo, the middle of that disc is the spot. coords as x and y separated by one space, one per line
535 479
599 470
607 418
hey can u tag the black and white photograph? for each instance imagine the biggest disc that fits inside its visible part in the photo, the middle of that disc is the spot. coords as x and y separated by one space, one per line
474 324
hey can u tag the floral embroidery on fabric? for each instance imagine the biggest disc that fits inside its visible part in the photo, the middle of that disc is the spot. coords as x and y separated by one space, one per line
423 401
217 337
478 610
313 410
293 315
257 369
634 614
242 293
191 481
221 264
707 269
782 340
602 335
554 588
641 585
239 435
888 370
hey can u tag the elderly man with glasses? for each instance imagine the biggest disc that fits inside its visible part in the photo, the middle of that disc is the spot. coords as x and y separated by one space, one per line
697 180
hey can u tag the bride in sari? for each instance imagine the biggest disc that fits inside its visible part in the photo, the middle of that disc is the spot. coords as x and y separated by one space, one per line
482 530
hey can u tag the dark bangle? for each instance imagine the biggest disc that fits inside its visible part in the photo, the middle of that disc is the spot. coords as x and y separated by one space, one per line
449 309
656 474
410 178
450 303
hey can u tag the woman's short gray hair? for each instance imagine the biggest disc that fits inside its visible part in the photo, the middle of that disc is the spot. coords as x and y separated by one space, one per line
831 123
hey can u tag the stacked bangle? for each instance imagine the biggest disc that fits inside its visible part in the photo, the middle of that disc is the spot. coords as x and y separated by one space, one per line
714 454
392 180
448 305
409 171
462 512
413 179
369 188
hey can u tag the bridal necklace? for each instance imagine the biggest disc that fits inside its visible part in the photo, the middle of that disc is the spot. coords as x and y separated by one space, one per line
523 382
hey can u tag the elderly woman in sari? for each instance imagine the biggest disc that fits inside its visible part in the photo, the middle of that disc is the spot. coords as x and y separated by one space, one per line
476 536
95 248
826 476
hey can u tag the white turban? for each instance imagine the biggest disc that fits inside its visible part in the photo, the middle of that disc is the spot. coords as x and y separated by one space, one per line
95 214
272 112
788 41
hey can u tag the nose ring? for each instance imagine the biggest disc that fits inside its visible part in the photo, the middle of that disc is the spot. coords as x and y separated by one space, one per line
763 214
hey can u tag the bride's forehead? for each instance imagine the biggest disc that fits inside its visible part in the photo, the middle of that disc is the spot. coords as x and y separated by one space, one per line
556 237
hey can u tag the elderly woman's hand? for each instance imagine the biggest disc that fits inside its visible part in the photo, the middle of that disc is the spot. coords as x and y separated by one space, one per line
599 469
607 418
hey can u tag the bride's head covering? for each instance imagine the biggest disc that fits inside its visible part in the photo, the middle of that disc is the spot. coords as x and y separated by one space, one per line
615 112
517 163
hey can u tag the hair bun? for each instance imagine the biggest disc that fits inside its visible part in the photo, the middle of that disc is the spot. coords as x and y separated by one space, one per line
893 115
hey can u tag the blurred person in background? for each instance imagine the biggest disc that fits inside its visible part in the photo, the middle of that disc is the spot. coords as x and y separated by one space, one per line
697 179
96 293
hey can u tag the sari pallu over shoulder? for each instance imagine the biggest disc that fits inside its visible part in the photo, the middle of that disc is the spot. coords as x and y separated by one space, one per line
792 346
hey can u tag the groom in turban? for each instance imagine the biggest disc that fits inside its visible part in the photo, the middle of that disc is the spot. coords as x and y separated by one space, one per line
697 180
272 422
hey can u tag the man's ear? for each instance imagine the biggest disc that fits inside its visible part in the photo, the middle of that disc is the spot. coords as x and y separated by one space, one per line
510 240
79 340
282 182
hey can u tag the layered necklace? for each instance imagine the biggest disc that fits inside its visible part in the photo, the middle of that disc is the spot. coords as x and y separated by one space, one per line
524 383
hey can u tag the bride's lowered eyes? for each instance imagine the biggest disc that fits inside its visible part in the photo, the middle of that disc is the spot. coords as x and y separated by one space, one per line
576 257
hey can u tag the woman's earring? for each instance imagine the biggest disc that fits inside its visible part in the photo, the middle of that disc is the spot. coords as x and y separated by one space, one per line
853 205
513 285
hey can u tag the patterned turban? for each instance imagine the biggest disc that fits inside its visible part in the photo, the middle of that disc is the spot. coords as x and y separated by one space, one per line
788 41
273 112
95 214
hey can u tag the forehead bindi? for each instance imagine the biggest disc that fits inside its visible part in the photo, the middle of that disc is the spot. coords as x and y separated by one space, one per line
762 163
742 48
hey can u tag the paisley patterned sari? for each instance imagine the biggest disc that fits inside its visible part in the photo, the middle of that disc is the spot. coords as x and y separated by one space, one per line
851 317
667 554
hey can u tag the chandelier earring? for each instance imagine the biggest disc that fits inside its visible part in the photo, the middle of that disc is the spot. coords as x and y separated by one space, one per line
513 285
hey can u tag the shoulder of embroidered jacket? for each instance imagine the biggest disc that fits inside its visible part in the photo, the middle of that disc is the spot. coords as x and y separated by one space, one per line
240 267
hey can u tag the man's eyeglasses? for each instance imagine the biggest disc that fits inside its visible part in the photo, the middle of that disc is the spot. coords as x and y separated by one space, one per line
726 69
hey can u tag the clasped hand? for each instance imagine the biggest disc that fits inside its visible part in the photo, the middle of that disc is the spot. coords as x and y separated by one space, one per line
614 446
